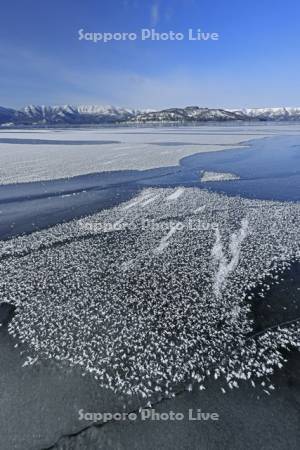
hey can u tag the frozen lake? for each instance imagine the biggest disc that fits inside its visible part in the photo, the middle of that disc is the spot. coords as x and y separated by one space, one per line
43 185
196 272
28 155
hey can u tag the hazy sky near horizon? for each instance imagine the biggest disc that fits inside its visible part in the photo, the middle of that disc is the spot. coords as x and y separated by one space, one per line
255 62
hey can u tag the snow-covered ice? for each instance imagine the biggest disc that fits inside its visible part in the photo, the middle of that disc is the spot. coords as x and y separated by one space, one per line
175 195
218 176
138 148
144 308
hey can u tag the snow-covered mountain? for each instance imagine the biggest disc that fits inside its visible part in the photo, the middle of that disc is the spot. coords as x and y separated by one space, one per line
70 114
95 114
270 113
67 114
196 114
188 114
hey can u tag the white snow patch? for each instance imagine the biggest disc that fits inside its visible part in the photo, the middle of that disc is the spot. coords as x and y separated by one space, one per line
225 266
149 200
136 201
200 209
164 243
218 176
175 195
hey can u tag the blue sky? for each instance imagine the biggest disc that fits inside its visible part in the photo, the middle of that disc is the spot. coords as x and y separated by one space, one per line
255 63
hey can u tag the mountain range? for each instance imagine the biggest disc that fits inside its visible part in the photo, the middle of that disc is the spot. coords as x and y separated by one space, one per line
197 114
95 114
67 114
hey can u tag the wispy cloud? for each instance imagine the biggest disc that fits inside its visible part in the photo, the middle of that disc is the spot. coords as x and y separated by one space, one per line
155 13
48 80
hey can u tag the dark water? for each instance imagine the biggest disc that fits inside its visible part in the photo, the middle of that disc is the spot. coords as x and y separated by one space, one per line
268 169
27 207
53 142
6 313
280 305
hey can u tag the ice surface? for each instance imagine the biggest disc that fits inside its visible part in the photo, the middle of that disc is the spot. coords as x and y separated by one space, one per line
160 300
218 176
62 278
175 195
139 148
